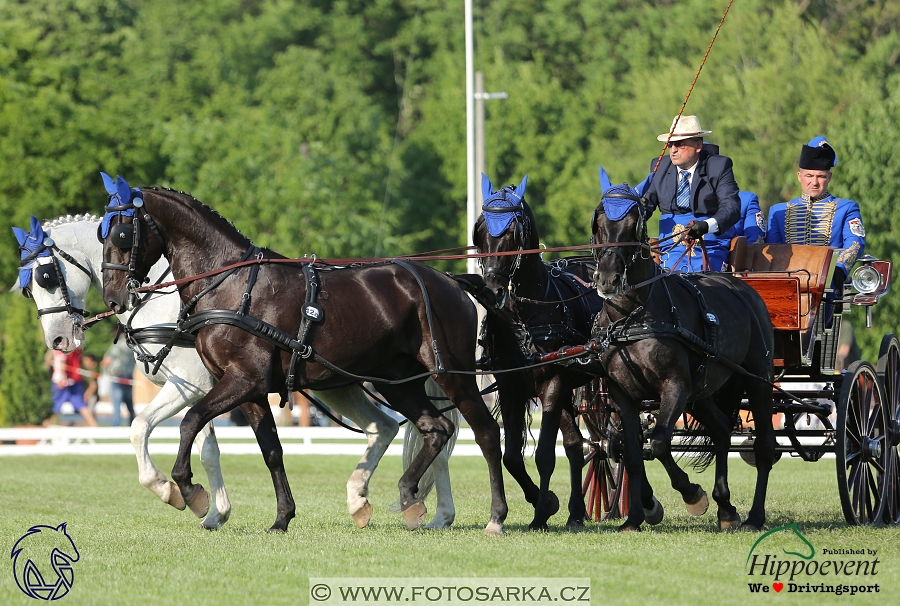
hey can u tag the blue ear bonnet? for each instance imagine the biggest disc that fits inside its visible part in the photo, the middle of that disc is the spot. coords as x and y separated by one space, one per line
29 244
119 195
616 208
499 222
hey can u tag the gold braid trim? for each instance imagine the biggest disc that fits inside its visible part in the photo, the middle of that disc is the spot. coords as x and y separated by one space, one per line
809 222
847 257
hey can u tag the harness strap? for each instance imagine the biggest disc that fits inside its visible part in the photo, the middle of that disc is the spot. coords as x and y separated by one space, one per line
438 361
312 292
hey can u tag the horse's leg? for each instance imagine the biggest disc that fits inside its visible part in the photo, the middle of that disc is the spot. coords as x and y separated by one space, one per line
219 508
514 416
672 403
638 487
573 443
760 398
380 429
463 391
165 404
439 472
222 398
708 414
410 399
545 454
259 416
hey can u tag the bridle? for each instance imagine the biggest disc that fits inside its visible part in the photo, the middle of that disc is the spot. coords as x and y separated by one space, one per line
125 236
640 233
49 275
521 233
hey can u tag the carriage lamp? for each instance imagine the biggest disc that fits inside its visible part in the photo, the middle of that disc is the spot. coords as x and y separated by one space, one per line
866 279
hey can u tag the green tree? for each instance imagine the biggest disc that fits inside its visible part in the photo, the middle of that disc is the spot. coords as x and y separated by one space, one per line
24 381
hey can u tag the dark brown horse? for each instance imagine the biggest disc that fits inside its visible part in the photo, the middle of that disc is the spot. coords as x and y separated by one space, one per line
538 296
677 340
394 323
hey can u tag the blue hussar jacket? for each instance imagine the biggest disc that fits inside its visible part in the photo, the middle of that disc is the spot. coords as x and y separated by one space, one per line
830 221
752 223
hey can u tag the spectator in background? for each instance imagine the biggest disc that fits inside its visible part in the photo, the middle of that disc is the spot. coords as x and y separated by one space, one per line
118 362
67 385
89 379
848 350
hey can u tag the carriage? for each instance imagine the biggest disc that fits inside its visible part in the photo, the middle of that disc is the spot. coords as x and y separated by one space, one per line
854 413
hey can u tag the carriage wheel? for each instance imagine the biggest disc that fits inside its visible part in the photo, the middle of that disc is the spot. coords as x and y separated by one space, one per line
862 448
889 373
605 480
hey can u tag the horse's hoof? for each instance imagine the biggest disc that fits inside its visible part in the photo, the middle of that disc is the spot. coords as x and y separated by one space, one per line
538 526
747 526
199 503
414 514
700 503
275 530
554 504
626 527
493 529
174 497
730 522
363 515
655 515
575 523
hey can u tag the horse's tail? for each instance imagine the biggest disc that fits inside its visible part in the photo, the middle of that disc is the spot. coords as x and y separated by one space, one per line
696 436
502 347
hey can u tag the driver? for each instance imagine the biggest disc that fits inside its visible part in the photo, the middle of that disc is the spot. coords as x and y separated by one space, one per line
697 196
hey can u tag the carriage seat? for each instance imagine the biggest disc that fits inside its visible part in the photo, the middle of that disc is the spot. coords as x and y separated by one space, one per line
791 278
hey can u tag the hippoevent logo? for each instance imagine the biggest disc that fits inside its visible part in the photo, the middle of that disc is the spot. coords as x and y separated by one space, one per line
42 562
808 570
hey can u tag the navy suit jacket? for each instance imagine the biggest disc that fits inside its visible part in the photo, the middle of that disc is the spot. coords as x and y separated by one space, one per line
714 192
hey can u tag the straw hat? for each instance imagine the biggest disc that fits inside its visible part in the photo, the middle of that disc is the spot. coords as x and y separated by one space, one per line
688 127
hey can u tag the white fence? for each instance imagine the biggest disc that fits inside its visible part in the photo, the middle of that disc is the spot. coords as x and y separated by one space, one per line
57 440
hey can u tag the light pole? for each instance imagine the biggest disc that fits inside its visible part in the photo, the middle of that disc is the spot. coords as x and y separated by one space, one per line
475 164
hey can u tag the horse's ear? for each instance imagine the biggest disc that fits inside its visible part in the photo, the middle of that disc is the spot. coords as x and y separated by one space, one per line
605 183
21 235
520 191
108 183
487 189
123 190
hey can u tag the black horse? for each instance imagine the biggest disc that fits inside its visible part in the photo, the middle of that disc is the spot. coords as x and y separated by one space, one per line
554 305
274 327
679 339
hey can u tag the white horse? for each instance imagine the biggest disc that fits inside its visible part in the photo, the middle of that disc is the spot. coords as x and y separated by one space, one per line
184 380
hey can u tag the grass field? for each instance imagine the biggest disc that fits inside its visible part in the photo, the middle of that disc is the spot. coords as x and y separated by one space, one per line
135 550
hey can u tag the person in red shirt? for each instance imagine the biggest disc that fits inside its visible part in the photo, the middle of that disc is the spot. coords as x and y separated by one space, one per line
67 385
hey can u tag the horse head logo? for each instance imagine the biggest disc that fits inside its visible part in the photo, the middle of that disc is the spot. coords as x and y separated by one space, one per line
33 575
789 528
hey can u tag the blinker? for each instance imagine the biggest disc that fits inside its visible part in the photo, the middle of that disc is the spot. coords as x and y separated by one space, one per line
122 235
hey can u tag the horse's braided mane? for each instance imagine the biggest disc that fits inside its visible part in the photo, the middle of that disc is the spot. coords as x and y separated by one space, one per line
67 219
185 197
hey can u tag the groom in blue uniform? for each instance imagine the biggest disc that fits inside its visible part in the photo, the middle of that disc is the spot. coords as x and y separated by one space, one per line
817 217
697 197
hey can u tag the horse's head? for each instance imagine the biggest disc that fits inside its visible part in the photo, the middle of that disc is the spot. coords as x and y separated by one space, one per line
131 244
57 282
505 225
618 218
